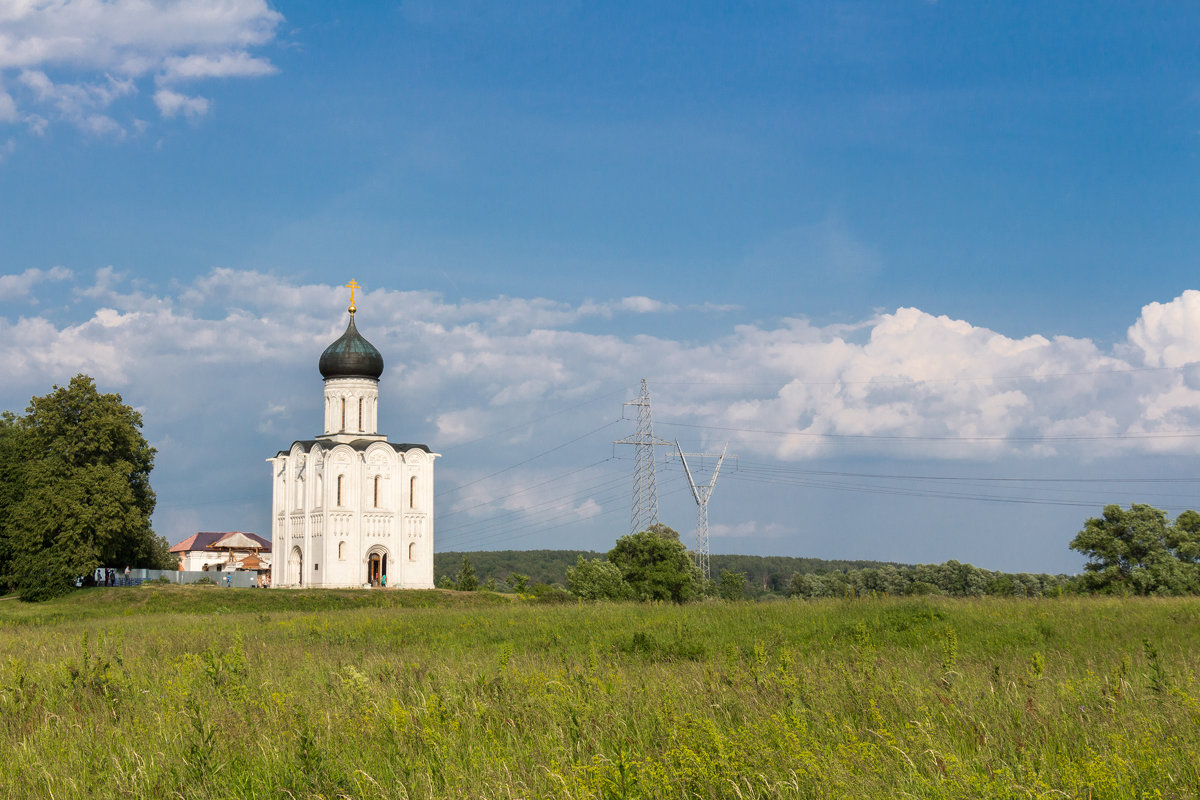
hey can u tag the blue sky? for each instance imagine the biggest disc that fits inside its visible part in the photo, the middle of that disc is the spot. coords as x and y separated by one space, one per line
963 233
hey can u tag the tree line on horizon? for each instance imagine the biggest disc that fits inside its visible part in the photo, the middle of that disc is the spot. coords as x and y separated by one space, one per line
1135 551
765 575
75 494
595 576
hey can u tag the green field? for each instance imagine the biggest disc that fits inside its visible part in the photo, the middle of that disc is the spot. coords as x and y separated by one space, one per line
204 692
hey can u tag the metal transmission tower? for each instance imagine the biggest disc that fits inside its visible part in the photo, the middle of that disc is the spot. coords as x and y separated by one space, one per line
701 493
645 494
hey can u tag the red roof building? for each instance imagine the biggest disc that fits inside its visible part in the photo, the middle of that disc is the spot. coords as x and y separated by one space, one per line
224 551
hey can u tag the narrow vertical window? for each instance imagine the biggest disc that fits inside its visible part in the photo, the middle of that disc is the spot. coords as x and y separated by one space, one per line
339 490
361 427
412 551
412 492
377 491
343 414
341 551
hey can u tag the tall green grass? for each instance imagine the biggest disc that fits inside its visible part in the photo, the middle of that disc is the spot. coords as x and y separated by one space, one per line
214 693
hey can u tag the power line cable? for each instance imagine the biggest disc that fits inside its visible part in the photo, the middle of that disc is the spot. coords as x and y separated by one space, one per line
1061 485
747 465
526 531
506 516
531 422
901 491
500 525
514 524
890 381
965 483
526 461
522 491
880 437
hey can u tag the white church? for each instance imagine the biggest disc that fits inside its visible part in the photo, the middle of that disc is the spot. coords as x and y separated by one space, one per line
348 507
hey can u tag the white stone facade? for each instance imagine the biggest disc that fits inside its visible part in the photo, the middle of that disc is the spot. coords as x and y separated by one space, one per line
349 508
195 562
351 407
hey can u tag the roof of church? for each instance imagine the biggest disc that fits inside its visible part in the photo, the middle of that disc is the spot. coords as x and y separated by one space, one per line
204 539
351 356
357 444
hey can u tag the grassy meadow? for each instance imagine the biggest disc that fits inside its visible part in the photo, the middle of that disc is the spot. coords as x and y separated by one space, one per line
205 692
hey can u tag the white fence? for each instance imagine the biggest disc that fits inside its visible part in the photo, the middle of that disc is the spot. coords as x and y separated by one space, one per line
238 579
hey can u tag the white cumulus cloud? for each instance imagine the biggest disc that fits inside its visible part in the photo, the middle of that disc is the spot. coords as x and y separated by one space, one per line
8 107
907 378
220 65
644 305
13 287
173 103
74 59
1168 334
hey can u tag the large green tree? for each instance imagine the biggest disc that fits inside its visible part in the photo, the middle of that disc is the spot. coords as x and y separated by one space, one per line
14 453
657 566
82 497
1138 551
1183 538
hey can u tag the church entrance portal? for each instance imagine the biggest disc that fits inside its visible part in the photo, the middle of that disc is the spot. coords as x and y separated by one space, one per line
377 569
295 566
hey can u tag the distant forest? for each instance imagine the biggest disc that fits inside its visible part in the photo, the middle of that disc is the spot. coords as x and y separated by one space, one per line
1138 550
765 575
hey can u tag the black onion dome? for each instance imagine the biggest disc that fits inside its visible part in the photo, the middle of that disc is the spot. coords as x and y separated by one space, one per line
351 356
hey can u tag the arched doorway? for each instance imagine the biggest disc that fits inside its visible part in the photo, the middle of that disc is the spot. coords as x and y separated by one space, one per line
296 566
377 567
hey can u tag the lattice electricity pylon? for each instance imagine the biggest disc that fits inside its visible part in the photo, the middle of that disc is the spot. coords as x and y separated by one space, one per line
645 493
701 493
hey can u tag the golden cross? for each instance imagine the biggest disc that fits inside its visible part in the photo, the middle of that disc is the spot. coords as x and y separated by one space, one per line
352 286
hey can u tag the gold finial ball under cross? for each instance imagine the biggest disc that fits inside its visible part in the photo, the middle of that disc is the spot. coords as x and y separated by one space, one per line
352 286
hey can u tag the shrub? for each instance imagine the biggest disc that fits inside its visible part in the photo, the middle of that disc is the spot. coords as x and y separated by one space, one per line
732 585
467 582
545 593
597 579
